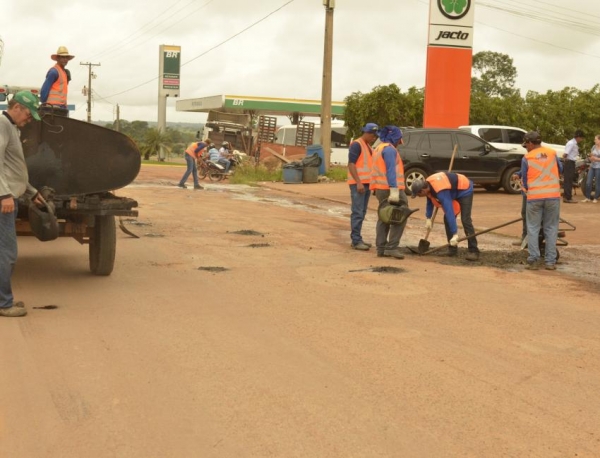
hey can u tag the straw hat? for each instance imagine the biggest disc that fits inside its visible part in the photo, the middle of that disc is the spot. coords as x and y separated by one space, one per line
62 52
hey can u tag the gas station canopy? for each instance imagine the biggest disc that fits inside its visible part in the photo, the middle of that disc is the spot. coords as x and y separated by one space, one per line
269 106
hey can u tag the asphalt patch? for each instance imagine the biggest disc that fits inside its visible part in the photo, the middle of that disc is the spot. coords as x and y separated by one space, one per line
497 259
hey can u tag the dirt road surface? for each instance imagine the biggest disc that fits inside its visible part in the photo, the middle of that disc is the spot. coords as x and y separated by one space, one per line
241 324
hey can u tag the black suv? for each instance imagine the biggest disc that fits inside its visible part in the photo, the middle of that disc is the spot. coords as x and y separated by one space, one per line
428 150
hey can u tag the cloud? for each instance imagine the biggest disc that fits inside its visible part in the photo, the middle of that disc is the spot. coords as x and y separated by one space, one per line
280 56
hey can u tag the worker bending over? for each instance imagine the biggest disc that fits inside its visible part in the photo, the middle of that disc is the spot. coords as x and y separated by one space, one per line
452 192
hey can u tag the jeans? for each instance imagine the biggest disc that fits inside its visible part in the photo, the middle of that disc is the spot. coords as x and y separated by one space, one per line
8 255
524 216
593 174
466 205
359 206
542 213
388 235
568 175
225 163
191 168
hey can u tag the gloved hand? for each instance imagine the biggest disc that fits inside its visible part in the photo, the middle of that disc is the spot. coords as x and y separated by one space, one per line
428 223
394 196
454 240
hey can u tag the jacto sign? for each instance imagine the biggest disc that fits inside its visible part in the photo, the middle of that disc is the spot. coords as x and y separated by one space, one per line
451 23
449 60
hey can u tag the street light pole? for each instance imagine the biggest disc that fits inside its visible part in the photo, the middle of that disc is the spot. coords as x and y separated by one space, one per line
326 88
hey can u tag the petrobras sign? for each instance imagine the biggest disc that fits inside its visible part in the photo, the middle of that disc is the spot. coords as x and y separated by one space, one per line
451 23
169 71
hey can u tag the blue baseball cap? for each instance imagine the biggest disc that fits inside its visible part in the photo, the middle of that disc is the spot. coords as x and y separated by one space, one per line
370 128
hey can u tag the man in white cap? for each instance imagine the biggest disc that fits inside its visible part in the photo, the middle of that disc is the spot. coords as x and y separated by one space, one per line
14 183
55 89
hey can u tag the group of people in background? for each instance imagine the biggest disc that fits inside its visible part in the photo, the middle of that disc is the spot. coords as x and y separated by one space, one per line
381 171
201 150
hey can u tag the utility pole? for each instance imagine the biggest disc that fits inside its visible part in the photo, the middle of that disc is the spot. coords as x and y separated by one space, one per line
89 88
118 118
326 88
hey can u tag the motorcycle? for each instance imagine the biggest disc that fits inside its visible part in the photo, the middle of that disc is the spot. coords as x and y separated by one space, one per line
216 171
581 167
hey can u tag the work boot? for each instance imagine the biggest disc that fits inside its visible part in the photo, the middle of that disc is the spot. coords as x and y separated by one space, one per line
550 266
360 246
452 251
472 256
395 253
368 244
13 311
197 186
182 185
381 254
531 266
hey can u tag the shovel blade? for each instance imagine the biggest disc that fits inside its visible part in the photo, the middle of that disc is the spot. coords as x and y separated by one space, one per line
423 246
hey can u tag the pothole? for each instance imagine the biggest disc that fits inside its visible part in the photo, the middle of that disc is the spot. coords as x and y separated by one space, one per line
246 232
258 245
214 269
382 270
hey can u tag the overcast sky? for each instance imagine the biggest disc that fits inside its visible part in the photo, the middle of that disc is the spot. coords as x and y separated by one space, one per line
377 42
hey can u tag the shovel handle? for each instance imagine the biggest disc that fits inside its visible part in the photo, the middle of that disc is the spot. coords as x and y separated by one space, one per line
435 210
462 239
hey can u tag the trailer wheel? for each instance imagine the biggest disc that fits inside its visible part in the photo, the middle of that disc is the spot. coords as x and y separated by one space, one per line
103 245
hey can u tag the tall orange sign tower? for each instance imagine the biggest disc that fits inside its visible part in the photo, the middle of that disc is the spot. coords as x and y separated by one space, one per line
449 61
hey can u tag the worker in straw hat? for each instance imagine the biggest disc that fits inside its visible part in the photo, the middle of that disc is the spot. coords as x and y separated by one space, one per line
55 88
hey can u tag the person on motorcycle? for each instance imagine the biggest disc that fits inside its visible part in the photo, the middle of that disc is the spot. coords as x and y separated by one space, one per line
225 155
215 156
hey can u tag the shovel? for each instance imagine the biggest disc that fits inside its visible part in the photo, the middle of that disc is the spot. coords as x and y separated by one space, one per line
462 239
424 243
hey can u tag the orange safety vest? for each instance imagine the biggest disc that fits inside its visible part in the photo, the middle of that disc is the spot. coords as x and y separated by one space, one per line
378 170
190 150
542 174
363 164
455 205
440 182
59 89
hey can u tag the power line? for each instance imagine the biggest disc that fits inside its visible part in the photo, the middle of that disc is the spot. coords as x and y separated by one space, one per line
208 50
117 54
125 40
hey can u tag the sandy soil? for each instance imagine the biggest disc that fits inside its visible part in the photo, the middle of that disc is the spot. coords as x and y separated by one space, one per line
241 324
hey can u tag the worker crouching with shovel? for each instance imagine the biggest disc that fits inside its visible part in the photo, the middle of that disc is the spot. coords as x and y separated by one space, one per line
387 183
452 192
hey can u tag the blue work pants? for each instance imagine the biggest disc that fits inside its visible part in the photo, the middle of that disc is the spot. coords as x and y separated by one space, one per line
8 255
190 162
359 205
542 214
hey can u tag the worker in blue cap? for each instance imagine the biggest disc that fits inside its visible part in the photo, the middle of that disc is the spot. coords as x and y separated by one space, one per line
387 183
360 156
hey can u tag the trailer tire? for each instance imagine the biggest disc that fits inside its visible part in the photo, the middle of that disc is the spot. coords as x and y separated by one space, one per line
103 245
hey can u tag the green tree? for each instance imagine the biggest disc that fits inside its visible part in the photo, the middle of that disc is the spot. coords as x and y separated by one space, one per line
493 74
384 105
154 141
